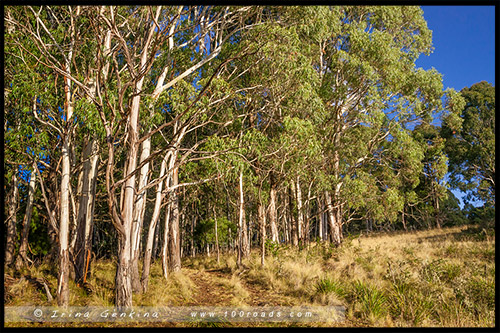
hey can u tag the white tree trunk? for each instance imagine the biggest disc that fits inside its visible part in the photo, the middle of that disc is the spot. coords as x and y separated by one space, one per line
152 227
164 252
333 219
300 212
174 239
273 214
10 245
139 209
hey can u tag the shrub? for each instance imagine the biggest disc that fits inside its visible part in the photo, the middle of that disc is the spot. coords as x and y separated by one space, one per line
327 285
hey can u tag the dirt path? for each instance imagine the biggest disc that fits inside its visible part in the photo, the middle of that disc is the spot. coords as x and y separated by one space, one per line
209 291
214 288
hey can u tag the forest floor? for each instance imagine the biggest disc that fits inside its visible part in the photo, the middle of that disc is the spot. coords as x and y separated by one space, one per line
430 278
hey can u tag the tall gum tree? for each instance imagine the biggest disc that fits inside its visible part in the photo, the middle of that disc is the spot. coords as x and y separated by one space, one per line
53 33
133 61
470 142
365 57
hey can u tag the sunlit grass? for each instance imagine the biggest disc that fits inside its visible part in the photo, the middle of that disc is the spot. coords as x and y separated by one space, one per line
441 278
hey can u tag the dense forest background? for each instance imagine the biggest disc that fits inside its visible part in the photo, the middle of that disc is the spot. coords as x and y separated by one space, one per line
148 134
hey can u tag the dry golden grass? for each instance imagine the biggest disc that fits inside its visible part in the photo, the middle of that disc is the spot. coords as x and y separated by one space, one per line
441 278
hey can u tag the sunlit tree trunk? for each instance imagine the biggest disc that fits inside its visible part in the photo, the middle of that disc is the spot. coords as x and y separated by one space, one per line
164 252
10 245
152 228
335 229
273 213
139 209
63 288
321 226
292 221
243 248
123 296
300 212
174 235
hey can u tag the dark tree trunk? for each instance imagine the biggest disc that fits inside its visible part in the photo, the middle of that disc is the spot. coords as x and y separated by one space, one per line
22 257
85 219
293 225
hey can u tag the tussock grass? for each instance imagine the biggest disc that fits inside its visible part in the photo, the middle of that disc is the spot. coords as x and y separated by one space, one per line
432 278
439 278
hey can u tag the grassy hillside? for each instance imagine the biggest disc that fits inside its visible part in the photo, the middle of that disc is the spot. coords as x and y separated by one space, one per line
426 278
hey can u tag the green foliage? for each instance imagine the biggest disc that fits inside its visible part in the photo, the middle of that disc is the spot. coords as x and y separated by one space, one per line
471 146
204 232
372 301
329 285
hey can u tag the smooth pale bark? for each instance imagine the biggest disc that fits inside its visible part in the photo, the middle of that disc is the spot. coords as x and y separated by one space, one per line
10 245
164 252
333 220
123 296
74 226
85 219
321 226
216 237
156 244
174 239
152 227
300 212
240 223
292 221
22 257
436 208
273 213
63 280
285 218
243 246
174 230
139 209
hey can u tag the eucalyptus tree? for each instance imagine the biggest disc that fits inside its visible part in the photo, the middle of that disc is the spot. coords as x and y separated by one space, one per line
57 39
370 87
471 147
431 189
156 54
281 81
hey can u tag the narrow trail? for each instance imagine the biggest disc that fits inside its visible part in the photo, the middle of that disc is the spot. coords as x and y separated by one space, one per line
208 290
215 288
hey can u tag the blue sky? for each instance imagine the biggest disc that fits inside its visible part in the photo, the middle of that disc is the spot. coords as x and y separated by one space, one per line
464 46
